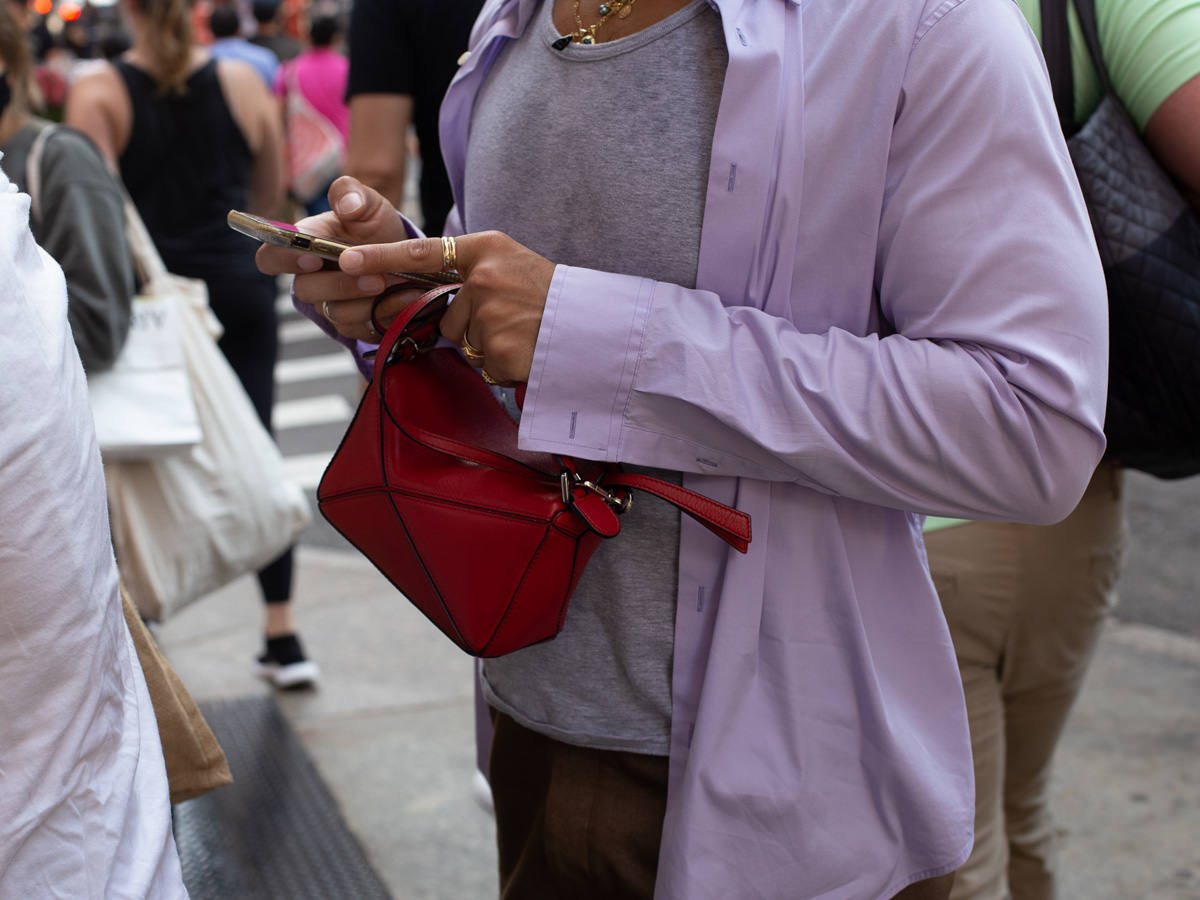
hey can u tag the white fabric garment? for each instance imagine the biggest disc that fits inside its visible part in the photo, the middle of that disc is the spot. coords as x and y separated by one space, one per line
84 810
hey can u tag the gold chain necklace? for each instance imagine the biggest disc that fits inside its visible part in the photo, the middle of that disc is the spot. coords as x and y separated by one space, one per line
586 34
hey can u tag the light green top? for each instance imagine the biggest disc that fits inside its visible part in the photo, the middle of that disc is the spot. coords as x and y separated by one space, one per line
1151 47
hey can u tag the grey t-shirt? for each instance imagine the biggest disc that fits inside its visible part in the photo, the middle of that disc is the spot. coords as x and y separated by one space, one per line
559 161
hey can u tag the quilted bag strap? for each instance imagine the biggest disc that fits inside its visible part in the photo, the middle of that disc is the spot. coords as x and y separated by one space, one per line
1056 48
1086 10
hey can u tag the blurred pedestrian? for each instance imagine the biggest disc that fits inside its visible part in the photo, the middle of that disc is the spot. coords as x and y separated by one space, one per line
765 250
79 218
192 138
1026 604
319 76
84 810
227 43
403 54
269 34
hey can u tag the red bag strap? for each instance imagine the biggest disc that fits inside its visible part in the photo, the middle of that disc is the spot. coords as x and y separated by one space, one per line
415 330
729 524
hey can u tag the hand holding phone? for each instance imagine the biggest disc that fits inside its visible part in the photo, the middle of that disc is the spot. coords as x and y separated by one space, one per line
280 234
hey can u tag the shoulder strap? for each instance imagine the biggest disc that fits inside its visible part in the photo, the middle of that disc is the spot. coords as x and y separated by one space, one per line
1056 48
1086 10
33 169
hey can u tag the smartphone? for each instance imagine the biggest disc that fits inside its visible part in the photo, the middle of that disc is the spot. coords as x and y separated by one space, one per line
280 234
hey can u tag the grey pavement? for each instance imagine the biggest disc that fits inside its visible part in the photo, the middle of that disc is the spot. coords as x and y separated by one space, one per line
390 730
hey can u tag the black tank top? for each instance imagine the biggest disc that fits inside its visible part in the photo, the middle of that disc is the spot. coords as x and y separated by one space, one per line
186 165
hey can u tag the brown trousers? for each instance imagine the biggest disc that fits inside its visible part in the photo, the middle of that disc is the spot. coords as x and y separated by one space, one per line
586 824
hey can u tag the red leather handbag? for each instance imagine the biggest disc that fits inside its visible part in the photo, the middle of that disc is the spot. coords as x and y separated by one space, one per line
485 539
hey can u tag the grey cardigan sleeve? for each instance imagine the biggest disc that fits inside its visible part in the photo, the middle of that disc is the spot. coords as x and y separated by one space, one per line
82 225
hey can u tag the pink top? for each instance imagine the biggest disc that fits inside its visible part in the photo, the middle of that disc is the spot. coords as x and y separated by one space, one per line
321 74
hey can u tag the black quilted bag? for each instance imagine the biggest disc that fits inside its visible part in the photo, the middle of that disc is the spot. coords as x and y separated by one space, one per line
1149 242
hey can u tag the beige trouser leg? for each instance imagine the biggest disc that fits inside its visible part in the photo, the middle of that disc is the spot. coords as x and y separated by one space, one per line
1025 605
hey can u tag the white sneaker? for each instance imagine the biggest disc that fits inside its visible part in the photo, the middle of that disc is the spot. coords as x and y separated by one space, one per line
483 792
292 675
284 664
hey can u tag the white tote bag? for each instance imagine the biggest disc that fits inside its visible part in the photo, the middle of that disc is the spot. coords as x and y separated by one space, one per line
185 525
142 406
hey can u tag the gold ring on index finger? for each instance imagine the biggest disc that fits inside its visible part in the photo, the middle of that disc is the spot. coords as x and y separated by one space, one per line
471 352
449 254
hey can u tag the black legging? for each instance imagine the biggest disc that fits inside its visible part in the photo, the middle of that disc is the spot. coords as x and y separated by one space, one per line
245 306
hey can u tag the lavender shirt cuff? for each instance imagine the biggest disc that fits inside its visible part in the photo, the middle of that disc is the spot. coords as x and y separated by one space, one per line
584 363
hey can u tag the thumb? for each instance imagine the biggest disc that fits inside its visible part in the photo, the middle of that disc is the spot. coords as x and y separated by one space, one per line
364 215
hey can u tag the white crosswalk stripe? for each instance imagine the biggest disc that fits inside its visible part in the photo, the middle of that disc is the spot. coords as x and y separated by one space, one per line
324 410
300 329
289 371
306 469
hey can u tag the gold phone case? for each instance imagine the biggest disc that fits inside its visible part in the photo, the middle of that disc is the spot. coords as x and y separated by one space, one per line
280 234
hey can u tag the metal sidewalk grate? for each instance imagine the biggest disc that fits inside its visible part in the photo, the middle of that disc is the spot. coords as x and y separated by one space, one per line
276 832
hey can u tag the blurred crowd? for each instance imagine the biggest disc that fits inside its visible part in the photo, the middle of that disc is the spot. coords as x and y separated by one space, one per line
67 38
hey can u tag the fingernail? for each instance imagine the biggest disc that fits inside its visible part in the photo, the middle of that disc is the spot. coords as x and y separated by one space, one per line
352 258
309 263
371 284
350 203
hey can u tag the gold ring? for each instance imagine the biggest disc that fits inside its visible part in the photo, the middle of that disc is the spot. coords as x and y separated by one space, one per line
449 254
470 350
488 378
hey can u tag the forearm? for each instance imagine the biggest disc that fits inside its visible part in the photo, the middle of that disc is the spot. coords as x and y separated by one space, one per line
377 150
669 377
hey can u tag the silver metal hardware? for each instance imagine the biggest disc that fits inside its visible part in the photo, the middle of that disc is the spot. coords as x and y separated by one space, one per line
619 504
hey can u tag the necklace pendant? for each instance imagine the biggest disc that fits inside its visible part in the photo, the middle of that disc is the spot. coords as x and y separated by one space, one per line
604 9
625 11
587 39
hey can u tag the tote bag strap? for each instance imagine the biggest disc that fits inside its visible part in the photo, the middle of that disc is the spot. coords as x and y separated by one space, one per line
146 261
33 170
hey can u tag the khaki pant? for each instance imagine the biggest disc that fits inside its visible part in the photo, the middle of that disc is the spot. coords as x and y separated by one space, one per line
586 824
1026 605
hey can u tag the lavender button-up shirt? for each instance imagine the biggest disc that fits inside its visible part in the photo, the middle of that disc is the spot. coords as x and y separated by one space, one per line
899 311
